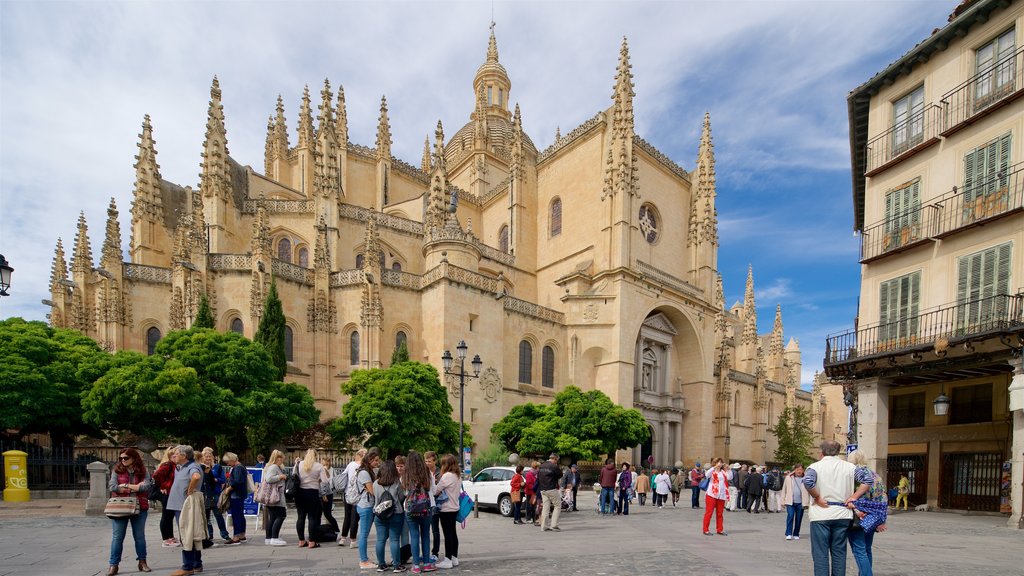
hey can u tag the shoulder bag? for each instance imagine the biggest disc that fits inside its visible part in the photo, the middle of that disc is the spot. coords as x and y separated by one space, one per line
121 507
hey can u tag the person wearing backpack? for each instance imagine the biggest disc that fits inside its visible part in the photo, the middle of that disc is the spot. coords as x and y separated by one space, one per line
389 515
350 525
450 486
273 475
238 489
774 491
364 504
419 486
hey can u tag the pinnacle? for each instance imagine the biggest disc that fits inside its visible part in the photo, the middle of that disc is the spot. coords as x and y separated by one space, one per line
280 106
383 143
492 47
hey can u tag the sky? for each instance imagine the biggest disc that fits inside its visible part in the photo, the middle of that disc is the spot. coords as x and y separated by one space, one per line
76 79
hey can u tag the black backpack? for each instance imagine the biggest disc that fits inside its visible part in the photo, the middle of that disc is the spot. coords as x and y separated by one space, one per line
385 506
776 482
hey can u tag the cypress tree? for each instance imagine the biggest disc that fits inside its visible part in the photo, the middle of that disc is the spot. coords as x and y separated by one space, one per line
204 316
270 333
401 354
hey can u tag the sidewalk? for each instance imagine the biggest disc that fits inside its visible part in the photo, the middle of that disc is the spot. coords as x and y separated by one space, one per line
45 541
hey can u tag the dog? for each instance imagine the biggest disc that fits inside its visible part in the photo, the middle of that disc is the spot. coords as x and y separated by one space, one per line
921 508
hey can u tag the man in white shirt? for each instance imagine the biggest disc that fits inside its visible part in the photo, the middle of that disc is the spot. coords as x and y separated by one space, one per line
830 482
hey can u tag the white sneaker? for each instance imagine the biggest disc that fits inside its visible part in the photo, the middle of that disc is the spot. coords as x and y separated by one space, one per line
266 541
343 541
445 564
455 561
789 537
796 537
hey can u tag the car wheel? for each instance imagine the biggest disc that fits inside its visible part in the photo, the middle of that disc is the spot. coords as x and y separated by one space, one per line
505 505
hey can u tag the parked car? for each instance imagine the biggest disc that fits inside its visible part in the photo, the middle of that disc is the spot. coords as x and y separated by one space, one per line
491 488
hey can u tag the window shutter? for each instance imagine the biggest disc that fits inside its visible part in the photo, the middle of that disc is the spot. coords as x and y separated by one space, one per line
915 202
1003 154
970 161
883 309
1002 280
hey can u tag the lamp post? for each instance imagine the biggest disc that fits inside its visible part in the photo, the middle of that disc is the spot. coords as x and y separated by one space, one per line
5 276
447 359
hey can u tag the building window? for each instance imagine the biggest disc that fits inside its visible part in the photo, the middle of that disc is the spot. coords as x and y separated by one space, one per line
906 410
284 250
359 261
899 300
152 337
503 239
980 276
908 121
556 217
490 95
396 266
289 344
353 348
902 215
501 96
304 257
400 339
995 65
547 370
237 326
971 404
985 174
648 221
525 362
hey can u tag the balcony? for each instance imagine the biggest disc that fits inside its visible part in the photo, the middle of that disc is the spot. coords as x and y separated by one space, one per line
987 200
898 234
984 93
954 322
904 139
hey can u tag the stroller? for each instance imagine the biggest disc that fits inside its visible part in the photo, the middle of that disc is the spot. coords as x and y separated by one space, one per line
567 500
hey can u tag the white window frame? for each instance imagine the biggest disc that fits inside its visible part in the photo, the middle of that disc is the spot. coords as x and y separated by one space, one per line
903 214
908 120
994 67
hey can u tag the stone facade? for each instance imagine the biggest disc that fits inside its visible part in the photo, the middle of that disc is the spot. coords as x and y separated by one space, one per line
590 263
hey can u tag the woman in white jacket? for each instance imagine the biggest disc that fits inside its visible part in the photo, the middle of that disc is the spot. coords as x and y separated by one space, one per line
796 498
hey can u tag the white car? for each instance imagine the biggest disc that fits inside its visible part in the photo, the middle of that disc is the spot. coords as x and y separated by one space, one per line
491 487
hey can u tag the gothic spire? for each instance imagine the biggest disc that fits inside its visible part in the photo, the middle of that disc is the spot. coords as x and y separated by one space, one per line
147 201
261 232
437 201
749 310
492 48
620 168
425 162
516 167
280 130
321 252
268 148
111 258
775 341
81 260
305 121
341 126
558 133
325 170
371 248
703 215
623 94
59 268
325 120
214 180
383 143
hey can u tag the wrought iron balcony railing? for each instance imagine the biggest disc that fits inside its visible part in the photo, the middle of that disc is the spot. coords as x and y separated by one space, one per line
953 322
984 92
917 132
993 197
898 233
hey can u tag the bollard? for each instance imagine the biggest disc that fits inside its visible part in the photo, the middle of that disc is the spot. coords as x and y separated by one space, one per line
16 472
98 492
476 508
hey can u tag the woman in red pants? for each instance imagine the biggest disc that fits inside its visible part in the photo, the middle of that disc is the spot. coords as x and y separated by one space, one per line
716 496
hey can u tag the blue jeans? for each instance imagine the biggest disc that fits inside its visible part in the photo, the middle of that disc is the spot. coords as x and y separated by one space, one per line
389 532
190 559
695 496
365 521
236 509
220 523
623 502
419 538
860 545
607 500
828 539
120 525
794 517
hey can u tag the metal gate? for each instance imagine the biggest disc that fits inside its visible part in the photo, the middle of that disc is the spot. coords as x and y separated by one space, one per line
915 467
970 481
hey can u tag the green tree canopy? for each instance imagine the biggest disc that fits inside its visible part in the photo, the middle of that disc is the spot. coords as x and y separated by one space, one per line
398 409
43 373
795 436
270 333
204 316
401 354
587 425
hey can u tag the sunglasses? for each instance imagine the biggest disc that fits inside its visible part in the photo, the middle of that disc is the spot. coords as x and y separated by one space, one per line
125 457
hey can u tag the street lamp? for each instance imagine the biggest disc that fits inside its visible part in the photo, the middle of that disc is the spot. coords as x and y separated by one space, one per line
839 430
941 403
447 360
5 276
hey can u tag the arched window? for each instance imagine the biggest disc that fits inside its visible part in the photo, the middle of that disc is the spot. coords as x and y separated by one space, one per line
284 250
289 344
152 337
556 217
237 326
359 261
547 369
503 239
400 339
396 266
304 257
382 265
353 348
525 362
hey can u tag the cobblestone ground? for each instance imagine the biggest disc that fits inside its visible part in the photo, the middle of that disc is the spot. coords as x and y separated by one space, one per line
56 541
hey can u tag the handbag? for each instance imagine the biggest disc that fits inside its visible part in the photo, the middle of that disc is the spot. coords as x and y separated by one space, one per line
121 507
291 485
267 494
224 501
250 483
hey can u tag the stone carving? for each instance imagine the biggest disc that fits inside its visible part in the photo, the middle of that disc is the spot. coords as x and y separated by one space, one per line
490 384
530 309
177 318
668 280
142 273
231 262
388 221
342 278
571 137
279 206
661 323
290 271
400 279
590 313
322 314
660 157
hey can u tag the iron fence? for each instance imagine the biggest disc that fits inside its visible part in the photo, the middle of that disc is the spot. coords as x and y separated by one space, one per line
984 92
53 468
917 131
1000 194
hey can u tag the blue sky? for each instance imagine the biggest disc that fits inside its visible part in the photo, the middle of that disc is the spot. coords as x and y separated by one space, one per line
76 79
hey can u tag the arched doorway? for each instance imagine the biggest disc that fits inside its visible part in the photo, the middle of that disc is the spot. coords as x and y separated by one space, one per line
646 448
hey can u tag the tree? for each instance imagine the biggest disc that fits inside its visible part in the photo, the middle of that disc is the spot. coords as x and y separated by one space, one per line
275 411
270 333
397 409
204 317
587 425
795 436
401 354
43 372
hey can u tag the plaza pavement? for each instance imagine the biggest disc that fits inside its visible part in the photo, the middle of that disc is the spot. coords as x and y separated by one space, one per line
55 538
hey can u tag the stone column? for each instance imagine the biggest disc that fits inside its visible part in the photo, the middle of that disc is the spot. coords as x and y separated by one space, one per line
873 422
1017 443
98 493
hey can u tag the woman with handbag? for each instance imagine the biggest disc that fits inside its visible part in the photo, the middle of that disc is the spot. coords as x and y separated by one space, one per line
274 478
717 493
237 489
308 507
130 479
517 488
162 480
213 483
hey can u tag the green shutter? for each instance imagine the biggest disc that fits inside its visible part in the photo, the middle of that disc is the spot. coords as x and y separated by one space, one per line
1003 268
883 310
970 161
915 302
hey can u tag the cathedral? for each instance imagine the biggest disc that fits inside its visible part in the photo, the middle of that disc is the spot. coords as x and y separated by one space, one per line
590 263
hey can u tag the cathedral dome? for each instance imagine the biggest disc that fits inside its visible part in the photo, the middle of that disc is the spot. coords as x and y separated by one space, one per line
499 141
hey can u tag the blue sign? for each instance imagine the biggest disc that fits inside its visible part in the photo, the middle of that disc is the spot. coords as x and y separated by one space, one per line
467 467
850 448
251 507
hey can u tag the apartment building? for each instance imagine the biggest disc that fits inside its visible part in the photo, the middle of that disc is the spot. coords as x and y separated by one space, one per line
933 364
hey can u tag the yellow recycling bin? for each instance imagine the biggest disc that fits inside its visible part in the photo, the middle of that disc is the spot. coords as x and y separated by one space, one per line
16 473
